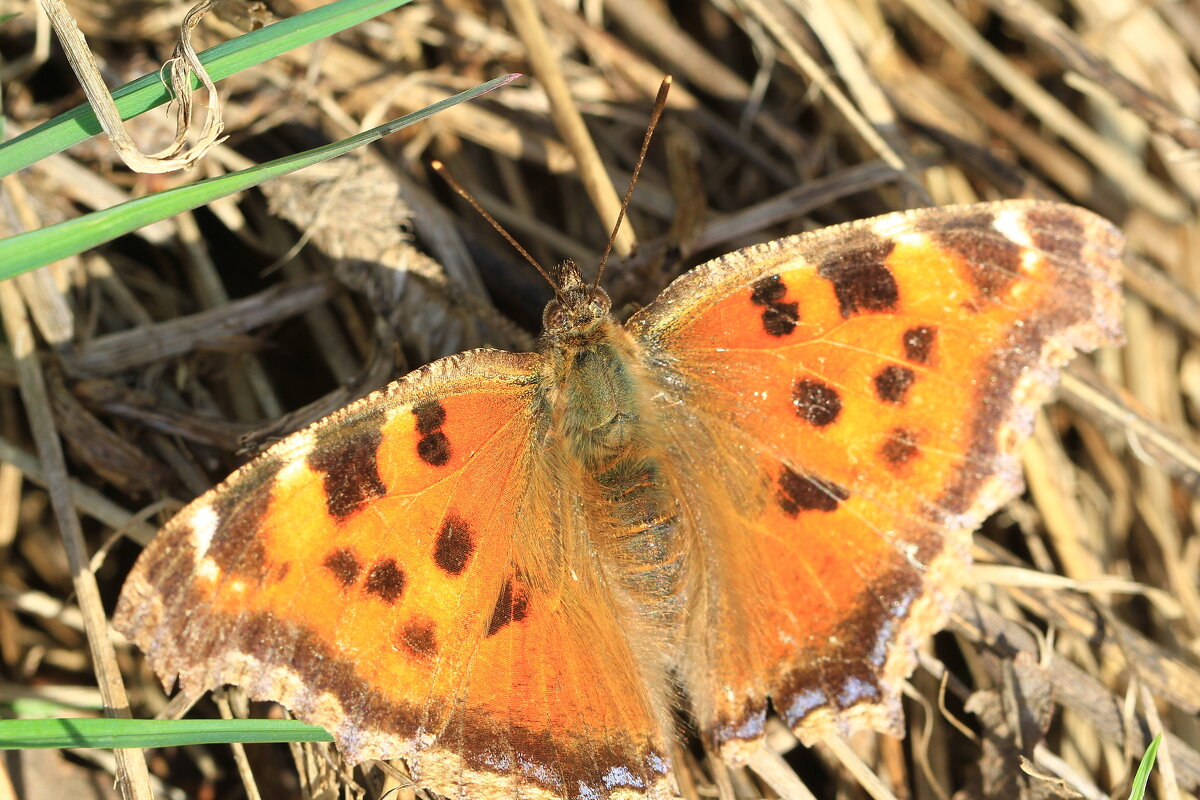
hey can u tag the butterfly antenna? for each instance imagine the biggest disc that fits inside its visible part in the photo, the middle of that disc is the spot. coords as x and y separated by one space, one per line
660 103
440 169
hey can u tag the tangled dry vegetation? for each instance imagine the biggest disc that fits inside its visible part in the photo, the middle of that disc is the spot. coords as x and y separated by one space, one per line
172 353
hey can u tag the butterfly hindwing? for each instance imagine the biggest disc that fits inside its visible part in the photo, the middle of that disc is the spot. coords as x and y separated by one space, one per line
843 409
372 574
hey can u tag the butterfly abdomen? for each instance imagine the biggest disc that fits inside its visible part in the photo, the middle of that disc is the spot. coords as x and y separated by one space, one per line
644 531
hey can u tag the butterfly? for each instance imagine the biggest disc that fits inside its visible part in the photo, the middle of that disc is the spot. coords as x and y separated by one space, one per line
516 570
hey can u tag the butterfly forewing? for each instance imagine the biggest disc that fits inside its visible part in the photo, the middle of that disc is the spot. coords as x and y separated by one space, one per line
845 407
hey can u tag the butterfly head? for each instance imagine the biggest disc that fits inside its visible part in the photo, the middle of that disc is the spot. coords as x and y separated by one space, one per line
578 309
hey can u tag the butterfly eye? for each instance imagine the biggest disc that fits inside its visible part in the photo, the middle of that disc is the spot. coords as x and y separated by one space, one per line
554 317
599 303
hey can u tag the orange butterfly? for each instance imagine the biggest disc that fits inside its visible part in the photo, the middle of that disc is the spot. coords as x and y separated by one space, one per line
508 569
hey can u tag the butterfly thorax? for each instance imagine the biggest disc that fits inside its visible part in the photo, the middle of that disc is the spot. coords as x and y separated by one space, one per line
596 391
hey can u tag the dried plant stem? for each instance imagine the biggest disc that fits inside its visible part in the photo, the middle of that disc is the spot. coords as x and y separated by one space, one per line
134 780
1155 441
542 58
1074 652
86 499
866 777
771 767
1118 164
184 62
813 71
125 349
832 25
1074 688
1065 45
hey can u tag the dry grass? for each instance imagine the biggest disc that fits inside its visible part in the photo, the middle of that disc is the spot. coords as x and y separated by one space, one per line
1081 634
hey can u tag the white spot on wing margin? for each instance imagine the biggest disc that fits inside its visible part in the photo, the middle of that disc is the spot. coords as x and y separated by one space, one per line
295 460
204 526
894 226
1011 224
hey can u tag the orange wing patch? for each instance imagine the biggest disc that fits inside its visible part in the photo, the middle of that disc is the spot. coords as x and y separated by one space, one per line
884 374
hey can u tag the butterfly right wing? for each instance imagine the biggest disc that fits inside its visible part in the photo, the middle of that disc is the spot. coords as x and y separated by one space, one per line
401 574
842 409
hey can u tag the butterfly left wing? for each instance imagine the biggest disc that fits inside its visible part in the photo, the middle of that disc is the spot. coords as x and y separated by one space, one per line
409 574
841 410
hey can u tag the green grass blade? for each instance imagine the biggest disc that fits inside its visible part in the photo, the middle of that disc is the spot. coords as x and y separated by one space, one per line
34 249
225 59
21 734
1142 777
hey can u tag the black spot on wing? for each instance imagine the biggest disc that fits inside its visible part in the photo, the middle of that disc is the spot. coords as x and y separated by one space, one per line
344 566
899 448
816 403
431 415
346 457
385 581
768 291
892 384
807 493
433 447
511 606
419 637
861 279
778 318
919 344
454 546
